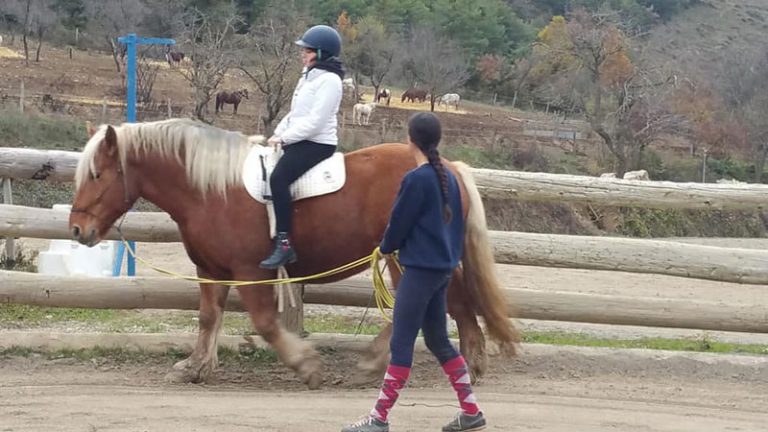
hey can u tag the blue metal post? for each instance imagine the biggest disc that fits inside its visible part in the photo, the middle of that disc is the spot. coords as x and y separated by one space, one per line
131 41
130 72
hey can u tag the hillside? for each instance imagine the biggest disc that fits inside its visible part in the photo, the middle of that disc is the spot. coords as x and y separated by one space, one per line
697 40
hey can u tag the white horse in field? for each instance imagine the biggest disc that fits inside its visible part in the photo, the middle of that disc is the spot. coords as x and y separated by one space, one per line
361 113
450 99
348 84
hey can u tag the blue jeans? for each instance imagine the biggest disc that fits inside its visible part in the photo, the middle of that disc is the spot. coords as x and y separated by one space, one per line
420 303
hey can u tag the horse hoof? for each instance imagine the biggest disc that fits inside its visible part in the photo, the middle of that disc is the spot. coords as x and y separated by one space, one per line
182 377
315 381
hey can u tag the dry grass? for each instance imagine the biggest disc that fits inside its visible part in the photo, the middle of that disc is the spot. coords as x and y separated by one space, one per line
9 53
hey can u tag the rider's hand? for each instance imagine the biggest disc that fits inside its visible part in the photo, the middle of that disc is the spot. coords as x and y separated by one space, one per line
275 141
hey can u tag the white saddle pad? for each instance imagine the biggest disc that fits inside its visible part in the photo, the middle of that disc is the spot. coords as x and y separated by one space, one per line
324 178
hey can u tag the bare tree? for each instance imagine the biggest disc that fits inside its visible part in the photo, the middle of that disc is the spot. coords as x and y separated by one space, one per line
271 62
212 49
370 51
43 18
115 18
436 62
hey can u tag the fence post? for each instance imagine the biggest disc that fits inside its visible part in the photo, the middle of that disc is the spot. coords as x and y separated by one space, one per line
170 111
104 111
10 247
293 317
21 98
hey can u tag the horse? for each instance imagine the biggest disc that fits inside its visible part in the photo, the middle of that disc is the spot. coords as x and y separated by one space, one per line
361 113
348 84
450 99
230 98
384 94
174 57
193 171
414 94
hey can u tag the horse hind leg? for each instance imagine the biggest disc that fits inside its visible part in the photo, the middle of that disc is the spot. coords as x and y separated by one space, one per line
374 361
471 338
296 353
204 359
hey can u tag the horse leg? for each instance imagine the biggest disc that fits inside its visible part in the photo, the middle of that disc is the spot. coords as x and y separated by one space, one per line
296 353
203 360
471 338
236 104
374 361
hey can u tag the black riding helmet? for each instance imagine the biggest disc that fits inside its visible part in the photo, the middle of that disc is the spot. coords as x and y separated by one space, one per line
324 39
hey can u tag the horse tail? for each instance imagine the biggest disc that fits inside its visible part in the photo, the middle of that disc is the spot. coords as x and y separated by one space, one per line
480 272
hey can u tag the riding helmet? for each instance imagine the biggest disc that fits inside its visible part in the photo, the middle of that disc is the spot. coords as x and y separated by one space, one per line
324 39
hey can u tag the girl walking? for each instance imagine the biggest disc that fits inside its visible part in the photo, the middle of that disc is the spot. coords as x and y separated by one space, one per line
427 227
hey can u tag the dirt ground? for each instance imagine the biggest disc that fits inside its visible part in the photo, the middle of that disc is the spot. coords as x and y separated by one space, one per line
546 389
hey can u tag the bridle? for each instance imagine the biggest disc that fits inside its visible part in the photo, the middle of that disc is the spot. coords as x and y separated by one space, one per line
84 210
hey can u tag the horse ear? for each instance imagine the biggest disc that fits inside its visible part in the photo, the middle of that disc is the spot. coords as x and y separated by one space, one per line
91 130
110 141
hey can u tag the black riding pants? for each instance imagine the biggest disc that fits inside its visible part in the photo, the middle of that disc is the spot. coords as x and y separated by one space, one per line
297 159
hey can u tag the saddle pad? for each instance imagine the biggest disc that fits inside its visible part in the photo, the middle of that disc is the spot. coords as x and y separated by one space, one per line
324 178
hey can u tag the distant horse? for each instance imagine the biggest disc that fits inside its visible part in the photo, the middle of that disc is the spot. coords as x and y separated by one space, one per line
414 94
194 172
348 84
174 57
384 94
233 98
361 113
450 99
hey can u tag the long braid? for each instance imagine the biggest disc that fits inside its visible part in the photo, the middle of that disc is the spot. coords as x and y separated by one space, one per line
433 156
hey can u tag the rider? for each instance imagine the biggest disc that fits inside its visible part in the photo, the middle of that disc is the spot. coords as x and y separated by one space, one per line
308 132
427 227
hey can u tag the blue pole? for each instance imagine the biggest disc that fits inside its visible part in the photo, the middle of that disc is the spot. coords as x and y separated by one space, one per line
131 79
131 41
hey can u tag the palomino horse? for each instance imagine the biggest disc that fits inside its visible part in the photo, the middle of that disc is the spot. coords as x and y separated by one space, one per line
228 97
194 172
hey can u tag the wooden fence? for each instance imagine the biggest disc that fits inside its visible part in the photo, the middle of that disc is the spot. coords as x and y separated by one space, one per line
600 253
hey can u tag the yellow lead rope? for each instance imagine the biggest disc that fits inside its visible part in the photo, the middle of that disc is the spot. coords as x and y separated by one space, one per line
384 298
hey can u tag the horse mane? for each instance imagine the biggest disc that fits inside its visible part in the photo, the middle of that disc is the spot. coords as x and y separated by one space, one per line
213 157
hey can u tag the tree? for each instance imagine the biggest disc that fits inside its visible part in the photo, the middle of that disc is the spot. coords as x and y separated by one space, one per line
369 49
211 46
436 63
743 75
271 62
502 75
625 103
115 18
72 13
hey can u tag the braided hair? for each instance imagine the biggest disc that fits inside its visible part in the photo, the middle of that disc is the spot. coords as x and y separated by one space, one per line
425 132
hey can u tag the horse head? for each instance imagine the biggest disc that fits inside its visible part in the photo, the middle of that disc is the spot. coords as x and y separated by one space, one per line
104 192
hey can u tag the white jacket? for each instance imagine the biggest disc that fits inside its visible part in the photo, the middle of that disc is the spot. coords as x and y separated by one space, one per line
313 112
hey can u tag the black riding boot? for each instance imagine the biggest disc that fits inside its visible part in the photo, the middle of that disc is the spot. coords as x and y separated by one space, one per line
282 254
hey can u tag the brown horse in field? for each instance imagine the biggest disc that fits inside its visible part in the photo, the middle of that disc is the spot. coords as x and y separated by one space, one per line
194 172
228 97
413 95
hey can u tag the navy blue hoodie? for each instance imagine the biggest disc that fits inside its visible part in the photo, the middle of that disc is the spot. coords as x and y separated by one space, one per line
417 227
